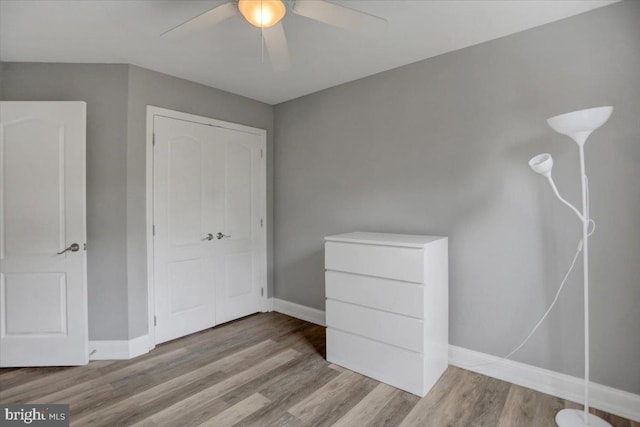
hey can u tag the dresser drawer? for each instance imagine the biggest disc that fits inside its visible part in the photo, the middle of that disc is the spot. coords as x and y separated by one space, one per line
392 365
383 294
401 331
390 262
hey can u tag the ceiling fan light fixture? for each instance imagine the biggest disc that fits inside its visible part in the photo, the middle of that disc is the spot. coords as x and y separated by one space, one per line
262 13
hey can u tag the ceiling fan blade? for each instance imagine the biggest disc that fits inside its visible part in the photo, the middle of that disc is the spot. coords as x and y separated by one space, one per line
277 47
340 16
203 21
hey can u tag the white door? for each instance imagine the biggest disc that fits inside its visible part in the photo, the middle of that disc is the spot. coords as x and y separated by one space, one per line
209 258
43 288
183 240
238 223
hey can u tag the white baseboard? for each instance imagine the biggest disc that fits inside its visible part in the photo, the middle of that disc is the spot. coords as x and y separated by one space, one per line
605 398
298 311
119 349
608 399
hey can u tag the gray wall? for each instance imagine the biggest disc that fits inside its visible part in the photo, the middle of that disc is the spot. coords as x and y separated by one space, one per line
150 88
117 96
441 147
104 88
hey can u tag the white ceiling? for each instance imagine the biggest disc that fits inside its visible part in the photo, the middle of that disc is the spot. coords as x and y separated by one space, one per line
228 56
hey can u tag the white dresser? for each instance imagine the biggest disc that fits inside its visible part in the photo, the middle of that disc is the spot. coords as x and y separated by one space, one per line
387 307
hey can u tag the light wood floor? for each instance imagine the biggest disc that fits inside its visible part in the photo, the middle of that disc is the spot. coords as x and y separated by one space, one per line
268 370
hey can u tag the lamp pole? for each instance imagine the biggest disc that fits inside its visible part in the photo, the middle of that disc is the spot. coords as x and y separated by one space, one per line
578 125
585 267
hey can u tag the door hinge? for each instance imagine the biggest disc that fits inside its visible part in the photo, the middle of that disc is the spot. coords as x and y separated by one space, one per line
261 292
261 222
153 139
261 154
154 229
155 320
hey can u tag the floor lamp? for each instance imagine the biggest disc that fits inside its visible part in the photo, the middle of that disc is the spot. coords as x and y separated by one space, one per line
578 125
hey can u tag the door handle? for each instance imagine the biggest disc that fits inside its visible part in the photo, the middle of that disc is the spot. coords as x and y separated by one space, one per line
74 247
208 237
220 235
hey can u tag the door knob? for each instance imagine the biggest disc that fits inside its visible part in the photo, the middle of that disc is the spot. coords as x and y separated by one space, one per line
209 237
74 247
220 235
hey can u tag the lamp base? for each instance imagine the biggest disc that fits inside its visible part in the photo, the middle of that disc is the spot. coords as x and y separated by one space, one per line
575 418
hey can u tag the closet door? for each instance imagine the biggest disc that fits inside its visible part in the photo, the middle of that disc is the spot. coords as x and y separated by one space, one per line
183 233
209 240
238 169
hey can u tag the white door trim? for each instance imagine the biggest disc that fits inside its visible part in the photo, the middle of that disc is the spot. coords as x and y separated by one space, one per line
158 111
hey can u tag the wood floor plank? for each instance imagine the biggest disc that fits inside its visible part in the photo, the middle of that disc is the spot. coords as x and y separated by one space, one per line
365 411
519 408
395 410
572 405
22 393
180 419
546 408
306 339
433 407
287 392
235 333
237 412
159 390
63 396
175 373
488 400
269 370
614 420
129 391
310 407
11 377
84 399
291 389
203 398
131 410
337 368
287 420
291 371
473 400
204 338
331 401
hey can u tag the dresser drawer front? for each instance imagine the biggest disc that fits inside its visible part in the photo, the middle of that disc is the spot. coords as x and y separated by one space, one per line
401 331
381 261
397 367
383 294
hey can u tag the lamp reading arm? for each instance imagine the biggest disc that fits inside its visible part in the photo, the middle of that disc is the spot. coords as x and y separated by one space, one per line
557 193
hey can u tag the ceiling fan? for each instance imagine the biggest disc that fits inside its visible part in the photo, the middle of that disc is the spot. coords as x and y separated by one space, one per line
267 14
